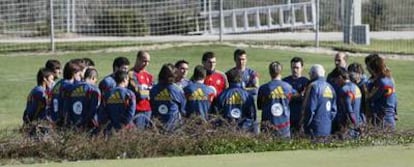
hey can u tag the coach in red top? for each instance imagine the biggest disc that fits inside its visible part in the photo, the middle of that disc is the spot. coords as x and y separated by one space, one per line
140 82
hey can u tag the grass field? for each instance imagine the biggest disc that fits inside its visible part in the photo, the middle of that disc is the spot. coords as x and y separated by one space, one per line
402 47
17 73
384 156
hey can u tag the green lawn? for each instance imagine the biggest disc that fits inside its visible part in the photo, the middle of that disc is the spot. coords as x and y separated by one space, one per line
379 46
17 73
384 156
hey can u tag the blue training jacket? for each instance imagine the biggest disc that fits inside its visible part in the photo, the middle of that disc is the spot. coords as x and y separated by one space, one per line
273 99
81 104
36 105
199 97
236 105
118 109
320 108
168 104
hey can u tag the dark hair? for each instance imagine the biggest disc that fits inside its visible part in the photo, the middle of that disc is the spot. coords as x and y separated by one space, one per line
238 52
141 54
53 64
356 67
120 76
179 62
167 74
340 72
79 62
199 73
297 59
70 69
275 68
371 58
208 55
88 62
43 73
234 76
91 73
119 61
379 68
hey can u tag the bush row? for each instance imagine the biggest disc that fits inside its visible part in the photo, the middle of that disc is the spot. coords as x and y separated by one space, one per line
193 139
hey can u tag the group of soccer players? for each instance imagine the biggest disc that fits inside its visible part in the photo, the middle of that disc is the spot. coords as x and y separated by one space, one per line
343 104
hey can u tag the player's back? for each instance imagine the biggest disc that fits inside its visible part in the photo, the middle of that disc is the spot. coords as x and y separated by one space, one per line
274 98
167 101
199 97
59 93
119 108
82 104
107 84
36 105
233 102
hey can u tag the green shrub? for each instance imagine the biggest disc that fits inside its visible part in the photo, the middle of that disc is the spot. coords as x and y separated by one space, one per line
195 138
376 13
121 22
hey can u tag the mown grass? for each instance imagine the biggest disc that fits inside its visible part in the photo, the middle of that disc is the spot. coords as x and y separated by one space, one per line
396 156
402 47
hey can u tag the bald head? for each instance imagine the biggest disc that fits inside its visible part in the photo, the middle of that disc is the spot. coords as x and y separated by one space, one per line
341 59
316 71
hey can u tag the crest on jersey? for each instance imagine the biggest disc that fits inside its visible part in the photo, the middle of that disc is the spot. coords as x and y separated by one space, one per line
55 105
163 109
218 82
327 93
235 113
277 110
328 106
77 108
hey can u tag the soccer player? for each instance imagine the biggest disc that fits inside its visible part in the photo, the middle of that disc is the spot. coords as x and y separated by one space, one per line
118 105
119 64
82 102
382 97
82 65
250 79
182 71
357 76
340 61
199 96
38 98
141 82
54 66
214 78
319 104
273 99
347 121
236 105
298 83
71 73
167 99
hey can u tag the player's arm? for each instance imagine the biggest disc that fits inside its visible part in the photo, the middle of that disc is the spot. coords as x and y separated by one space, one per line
131 105
254 83
261 98
349 98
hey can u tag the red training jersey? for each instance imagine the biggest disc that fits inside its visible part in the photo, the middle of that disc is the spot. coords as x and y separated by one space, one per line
141 83
217 80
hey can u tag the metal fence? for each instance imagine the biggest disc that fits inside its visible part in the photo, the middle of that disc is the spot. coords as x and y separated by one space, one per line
41 25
